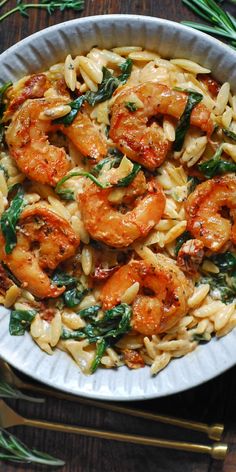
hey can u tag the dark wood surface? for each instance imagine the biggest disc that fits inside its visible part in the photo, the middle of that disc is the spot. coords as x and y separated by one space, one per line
211 402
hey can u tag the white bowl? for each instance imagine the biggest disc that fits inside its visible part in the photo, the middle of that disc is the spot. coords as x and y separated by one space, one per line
37 53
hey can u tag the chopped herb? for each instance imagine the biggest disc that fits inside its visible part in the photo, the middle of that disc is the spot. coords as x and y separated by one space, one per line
216 166
185 236
20 321
9 220
193 99
131 106
229 133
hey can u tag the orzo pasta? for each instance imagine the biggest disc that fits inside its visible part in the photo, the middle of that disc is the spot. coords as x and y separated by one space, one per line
118 207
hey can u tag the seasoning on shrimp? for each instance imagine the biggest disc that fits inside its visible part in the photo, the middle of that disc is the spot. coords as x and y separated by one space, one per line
44 240
27 138
137 135
120 227
163 295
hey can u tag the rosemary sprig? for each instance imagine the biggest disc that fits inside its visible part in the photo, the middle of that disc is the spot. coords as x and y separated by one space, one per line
7 391
50 6
223 23
12 449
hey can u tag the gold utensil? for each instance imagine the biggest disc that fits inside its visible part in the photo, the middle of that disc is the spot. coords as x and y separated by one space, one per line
213 431
9 417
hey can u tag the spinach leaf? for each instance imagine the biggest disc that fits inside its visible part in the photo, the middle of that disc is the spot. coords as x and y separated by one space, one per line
113 158
59 190
101 347
74 295
225 262
131 106
192 183
229 133
184 123
105 90
20 321
216 166
125 181
126 69
181 240
225 287
63 279
104 332
75 107
3 89
9 220
199 337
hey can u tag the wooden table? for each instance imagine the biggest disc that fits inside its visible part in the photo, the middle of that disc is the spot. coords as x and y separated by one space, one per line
214 401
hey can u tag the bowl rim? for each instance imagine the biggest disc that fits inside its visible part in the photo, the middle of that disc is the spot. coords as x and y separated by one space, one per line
213 42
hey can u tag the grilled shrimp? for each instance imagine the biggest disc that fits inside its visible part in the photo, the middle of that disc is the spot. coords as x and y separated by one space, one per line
204 211
131 132
162 297
190 256
44 240
27 138
118 228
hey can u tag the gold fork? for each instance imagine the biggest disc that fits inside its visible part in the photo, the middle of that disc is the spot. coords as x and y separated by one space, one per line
213 431
9 417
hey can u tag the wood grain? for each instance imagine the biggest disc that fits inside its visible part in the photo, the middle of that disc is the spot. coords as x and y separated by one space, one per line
214 401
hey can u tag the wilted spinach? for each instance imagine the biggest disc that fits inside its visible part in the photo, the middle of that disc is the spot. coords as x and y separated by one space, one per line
184 122
20 321
185 236
9 220
216 166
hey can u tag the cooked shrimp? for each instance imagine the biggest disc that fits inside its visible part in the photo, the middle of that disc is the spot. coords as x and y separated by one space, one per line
27 138
162 297
116 228
44 240
204 209
131 132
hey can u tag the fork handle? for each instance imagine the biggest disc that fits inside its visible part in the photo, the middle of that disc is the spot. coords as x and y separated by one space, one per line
216 450
213 431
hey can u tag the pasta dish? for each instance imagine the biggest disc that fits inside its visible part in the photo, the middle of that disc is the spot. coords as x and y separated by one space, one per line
117 206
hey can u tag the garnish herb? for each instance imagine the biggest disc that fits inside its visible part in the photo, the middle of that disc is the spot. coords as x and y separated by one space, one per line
193 99
12 449
131 106
7 391
104 332
105 90
50 6
9 220
20 321
229 133
185 236
223 23
216 166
